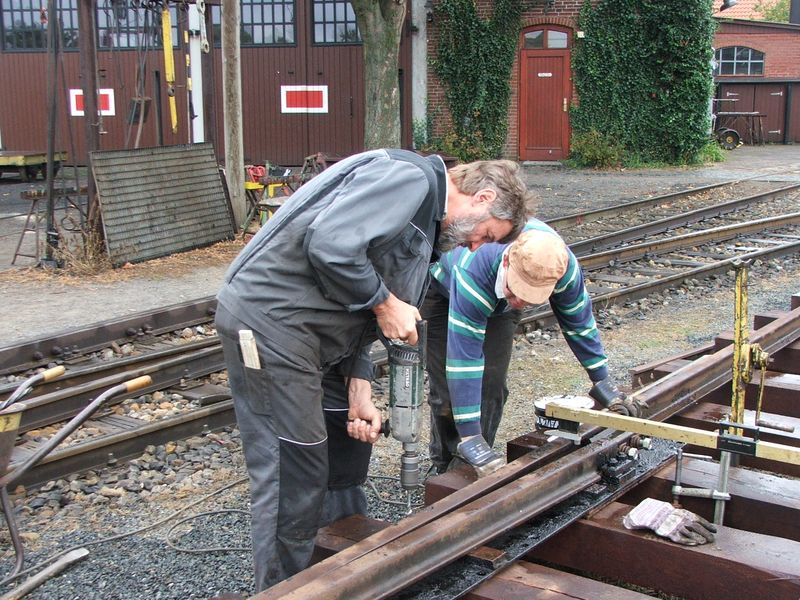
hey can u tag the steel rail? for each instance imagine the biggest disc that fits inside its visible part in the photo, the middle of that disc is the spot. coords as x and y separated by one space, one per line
33 353
613 211
77 390
165 372
30 354
145 325
660 246
84 371
105 450
609 240
683 387
546 315
409 553
420 551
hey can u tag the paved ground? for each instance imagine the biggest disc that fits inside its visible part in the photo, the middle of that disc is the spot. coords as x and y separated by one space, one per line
34 306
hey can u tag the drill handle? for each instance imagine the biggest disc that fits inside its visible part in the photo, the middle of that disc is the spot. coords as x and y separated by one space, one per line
386 428
422 338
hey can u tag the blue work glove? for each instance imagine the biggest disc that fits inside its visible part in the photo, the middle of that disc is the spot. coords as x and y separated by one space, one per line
476 452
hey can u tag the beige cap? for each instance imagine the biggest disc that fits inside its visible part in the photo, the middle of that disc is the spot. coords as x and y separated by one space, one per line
536 261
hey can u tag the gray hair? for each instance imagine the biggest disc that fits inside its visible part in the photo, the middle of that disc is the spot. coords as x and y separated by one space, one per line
503 177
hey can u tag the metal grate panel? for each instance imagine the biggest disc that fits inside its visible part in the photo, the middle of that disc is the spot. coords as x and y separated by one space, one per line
158 201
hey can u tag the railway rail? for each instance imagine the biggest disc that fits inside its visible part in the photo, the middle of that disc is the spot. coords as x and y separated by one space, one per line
562 482
190 369
71 346
572 511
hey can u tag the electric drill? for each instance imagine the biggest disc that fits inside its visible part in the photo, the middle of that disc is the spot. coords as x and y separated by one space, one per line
406 365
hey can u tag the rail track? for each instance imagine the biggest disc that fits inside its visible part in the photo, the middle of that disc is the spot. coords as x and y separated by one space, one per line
190 370
537 526
525 514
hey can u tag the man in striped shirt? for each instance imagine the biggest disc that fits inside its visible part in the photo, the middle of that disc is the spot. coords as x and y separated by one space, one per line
473 309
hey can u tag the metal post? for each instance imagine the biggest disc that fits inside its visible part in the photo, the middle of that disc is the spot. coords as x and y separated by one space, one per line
51 235
722 486
157 107
209 85
741 349
196 70
741 375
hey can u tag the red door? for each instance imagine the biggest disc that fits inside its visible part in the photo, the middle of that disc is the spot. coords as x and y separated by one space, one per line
544 101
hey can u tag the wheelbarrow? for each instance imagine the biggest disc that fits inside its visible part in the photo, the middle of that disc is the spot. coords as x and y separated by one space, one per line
10 415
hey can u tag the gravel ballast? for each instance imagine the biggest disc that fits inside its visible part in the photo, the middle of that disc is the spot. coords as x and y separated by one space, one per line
142 498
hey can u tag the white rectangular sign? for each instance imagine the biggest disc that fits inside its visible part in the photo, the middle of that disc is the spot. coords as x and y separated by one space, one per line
304 98
105 102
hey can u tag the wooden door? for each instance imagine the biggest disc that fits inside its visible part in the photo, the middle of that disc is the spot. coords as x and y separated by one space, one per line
770 101
544 105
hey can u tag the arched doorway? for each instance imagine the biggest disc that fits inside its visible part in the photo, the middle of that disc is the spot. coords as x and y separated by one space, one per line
545 90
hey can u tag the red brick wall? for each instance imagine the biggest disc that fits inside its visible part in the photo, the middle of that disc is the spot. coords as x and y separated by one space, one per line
564 14
781 47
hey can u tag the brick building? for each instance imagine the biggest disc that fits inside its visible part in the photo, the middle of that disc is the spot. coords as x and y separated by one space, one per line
541 81
758 79
310 49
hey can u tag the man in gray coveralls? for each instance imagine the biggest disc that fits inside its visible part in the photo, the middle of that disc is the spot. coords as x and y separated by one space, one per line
298 311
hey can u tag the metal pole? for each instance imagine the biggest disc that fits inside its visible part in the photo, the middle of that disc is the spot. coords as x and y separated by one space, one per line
232 108
722 486
209 85
196 70
51 235
741 349
157 108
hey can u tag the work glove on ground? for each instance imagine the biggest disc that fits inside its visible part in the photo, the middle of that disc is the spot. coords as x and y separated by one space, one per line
677 524
476 452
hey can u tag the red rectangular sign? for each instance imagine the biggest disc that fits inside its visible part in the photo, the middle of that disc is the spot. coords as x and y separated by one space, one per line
304 99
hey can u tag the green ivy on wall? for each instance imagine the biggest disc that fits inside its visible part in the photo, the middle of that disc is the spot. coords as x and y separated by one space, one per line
474 63
643 77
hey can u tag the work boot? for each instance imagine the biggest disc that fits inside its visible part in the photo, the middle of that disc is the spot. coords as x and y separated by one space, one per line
476 452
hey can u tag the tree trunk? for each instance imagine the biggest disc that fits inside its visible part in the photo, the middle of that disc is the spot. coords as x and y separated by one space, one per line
380 23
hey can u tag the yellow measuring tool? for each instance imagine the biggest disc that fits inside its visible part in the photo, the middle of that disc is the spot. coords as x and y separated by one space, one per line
679 433
169 66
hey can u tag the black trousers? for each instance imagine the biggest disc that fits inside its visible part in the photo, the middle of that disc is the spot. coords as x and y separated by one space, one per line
304 469
497 347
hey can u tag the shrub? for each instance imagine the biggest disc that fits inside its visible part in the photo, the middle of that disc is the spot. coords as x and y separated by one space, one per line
643 76
596 150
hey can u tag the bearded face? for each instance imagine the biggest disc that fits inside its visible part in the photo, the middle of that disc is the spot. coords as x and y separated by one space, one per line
458 232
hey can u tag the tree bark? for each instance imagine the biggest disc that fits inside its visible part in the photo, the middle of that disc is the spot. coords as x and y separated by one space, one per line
380 23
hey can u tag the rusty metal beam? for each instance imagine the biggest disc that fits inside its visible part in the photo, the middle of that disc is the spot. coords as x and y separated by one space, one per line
760 502
743 564
409 551
420 551
681 388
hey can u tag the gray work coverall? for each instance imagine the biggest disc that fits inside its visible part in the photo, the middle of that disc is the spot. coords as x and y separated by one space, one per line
305 285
